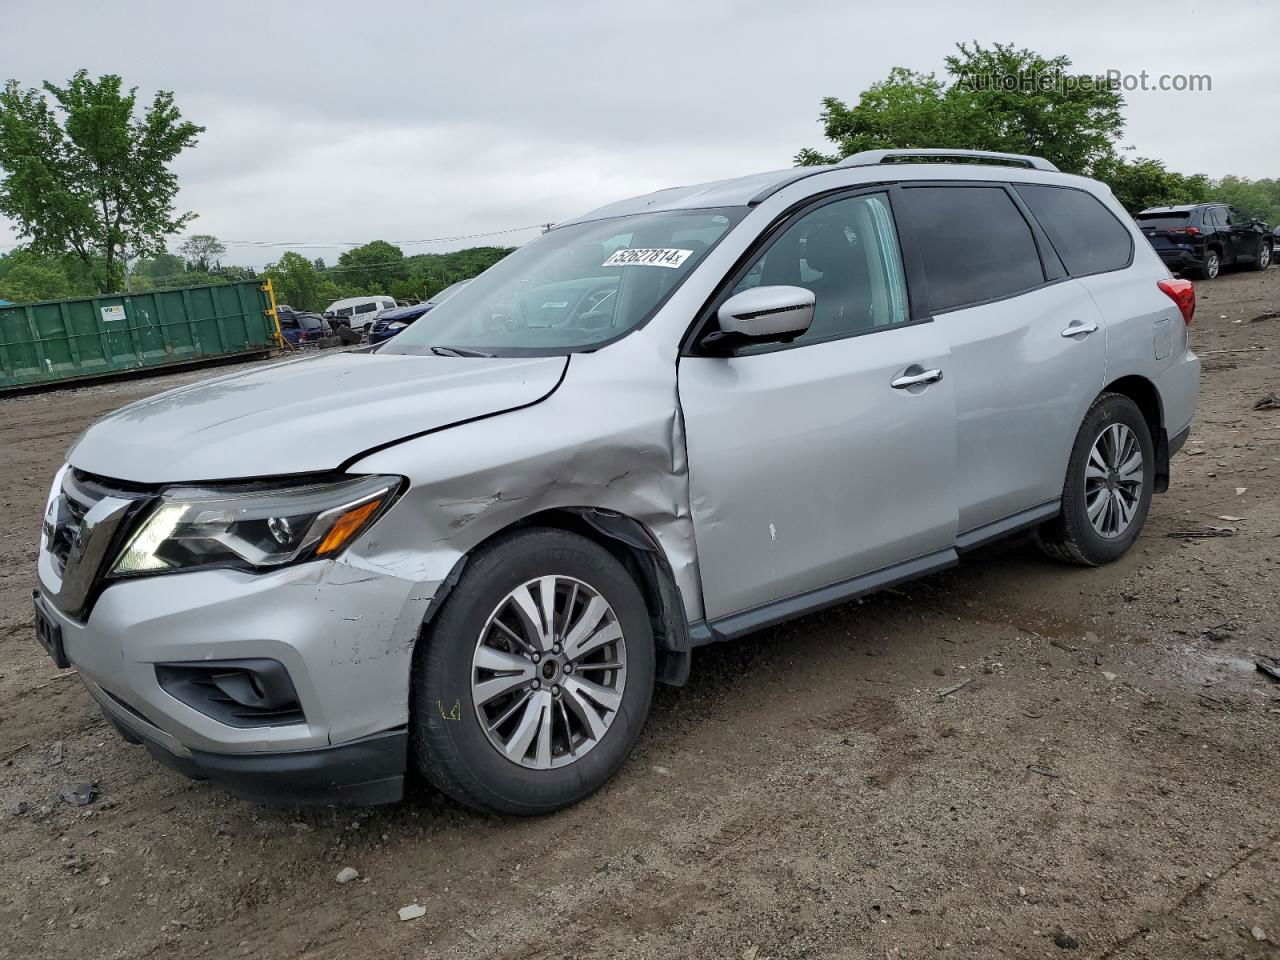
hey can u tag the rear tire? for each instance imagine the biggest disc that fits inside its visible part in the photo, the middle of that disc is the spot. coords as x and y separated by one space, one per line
1212 266
1264 257
1107 493
487 749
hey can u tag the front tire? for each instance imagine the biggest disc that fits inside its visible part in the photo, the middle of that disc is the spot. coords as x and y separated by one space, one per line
1107 492
534 680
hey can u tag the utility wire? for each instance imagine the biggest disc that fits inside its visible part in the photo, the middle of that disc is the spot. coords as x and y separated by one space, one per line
317 244
361 243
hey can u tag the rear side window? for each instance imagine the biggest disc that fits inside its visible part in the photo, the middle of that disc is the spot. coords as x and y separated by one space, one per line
974 242
1083 231
366 307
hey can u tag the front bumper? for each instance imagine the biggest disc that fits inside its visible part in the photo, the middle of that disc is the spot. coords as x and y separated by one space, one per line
344 633
365 771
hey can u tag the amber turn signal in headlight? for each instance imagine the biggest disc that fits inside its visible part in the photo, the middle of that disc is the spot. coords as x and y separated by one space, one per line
253 526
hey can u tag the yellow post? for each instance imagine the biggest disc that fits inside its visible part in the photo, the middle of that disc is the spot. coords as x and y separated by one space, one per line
270 291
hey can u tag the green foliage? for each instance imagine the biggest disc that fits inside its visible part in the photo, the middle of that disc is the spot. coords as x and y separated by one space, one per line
372 268
1071 119
1144 182
201 251
298 283
27 276
24 279
1254 198
429 273
82 173
162 265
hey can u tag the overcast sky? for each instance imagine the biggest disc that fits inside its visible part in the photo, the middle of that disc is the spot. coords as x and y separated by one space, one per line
333 122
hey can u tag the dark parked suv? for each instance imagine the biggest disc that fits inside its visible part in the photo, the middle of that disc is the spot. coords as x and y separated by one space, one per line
1200 239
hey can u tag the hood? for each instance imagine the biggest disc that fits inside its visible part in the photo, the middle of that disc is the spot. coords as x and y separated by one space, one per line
406 313
304 416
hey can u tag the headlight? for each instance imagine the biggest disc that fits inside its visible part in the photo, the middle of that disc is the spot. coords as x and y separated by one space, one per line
396 325
254 528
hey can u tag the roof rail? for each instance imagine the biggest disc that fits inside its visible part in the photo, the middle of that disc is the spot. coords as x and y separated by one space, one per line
868 158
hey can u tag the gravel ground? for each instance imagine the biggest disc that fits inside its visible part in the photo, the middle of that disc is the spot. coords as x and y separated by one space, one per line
1105 781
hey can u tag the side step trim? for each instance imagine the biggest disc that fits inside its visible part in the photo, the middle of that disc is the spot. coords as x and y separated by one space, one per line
999 529
766 615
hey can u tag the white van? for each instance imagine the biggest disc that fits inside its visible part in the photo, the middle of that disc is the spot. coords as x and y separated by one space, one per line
359 312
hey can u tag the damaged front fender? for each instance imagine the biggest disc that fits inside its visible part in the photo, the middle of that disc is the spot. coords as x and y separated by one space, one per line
609 440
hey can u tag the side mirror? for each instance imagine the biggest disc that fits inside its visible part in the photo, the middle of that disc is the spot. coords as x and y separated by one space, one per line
761 314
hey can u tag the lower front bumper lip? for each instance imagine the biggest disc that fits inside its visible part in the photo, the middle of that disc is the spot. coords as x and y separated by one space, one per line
366 771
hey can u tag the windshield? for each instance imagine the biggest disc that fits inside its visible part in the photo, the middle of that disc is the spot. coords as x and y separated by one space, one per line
573 288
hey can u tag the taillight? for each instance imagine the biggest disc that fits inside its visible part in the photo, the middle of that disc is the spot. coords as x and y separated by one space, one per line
1189 231
1182 293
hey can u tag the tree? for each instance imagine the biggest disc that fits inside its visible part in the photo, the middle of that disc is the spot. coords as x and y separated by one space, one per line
24 278
1254 198
372 268
160 267
997 98
96 180
201 252
1143 182
298 283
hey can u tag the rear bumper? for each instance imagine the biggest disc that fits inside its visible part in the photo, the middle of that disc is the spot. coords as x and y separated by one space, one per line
1179 259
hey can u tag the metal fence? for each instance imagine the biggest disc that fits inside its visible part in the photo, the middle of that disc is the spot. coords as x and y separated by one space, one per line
59 340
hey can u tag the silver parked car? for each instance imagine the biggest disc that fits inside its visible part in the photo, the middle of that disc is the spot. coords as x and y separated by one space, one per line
672 421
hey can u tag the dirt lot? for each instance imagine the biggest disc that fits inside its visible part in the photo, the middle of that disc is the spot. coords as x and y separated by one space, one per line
1107 777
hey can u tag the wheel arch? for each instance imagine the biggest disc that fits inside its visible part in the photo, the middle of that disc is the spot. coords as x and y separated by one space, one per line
1146 396
632 544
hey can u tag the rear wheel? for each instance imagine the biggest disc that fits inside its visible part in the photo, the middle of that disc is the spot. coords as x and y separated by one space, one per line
1212 266
1264 256
536 676
1108 487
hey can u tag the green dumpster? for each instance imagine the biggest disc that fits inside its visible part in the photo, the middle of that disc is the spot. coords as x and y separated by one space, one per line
59 340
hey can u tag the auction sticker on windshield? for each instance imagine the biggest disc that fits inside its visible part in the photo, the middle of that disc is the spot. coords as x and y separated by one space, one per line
647 257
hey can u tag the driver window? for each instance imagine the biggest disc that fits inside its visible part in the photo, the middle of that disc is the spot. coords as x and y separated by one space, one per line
847 254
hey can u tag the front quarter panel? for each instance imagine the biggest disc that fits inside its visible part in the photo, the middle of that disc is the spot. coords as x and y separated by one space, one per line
610 437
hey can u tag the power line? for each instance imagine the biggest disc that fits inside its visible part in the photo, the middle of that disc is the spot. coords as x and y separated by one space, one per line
361 243
326 244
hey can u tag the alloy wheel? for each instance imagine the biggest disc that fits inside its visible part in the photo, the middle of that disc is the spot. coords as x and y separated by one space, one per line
548 672
1212 266
1113 480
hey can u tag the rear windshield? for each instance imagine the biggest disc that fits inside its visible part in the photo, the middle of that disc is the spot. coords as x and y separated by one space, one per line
1163 221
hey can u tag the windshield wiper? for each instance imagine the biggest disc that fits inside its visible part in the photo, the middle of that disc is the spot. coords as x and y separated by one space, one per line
460 352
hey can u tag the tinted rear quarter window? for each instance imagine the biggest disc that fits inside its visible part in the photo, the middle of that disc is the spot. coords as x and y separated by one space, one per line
974 242
1088 238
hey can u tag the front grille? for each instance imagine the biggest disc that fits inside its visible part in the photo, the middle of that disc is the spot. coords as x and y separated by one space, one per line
67 526
81 530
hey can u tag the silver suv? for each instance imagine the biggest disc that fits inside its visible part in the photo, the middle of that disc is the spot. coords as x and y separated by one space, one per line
669 422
